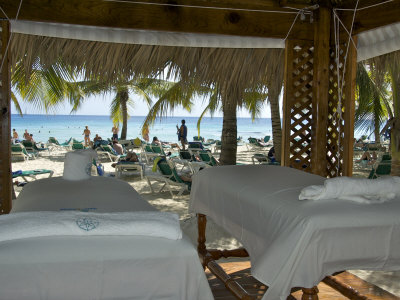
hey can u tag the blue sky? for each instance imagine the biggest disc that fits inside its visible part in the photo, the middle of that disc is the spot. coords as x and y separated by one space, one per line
100 105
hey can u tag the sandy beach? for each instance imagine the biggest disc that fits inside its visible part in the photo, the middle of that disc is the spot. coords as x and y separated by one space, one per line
216 237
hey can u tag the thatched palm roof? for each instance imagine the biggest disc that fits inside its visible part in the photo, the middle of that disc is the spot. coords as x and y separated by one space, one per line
233 69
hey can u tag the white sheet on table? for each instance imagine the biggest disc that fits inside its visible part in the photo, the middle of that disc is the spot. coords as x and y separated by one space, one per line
25 225
99 194
290 242
96 267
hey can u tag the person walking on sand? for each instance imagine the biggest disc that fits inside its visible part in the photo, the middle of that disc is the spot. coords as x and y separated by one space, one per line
182 134
115 131
86 133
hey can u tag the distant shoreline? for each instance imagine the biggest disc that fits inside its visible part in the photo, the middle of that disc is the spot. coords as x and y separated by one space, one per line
78 115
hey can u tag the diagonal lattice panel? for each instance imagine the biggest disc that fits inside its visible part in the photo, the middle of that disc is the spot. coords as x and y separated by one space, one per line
301 105
336 114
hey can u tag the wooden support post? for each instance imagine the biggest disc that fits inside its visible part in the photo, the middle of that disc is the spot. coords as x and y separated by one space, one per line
349 109
288 92
310 294
343 288
201 239
320 91
5 129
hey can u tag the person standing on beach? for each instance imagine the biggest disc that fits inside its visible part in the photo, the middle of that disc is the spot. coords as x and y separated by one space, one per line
86 133
115 131
26 135
182 134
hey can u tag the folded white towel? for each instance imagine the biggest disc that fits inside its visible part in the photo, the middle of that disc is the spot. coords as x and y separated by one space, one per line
354 189
45 223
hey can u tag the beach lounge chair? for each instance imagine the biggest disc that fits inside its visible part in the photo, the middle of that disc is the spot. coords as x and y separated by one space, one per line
77 146
31 174
256 144
148 153
218 146
55 143
383 168
108 151
18 150
208 158
127 166
195 147
31 147
158 150
198 139
168 176
188 159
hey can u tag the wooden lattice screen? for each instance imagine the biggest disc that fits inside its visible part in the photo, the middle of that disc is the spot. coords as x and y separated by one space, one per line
298 106
5 157
300 114
336 110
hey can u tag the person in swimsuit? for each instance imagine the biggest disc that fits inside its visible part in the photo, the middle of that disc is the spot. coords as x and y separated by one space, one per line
182 134
86 133
115 131
26 135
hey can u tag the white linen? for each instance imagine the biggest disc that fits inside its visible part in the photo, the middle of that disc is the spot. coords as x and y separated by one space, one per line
101 268
70 223
295 243
360 190
78 164
96 267
96 194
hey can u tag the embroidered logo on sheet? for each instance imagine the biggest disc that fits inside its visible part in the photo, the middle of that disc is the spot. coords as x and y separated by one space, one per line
87 223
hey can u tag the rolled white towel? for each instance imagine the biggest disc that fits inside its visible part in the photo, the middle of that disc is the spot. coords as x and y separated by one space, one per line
46 223
360 190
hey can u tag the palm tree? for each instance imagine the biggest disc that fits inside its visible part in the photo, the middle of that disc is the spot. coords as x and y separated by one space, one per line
122 88
46 88
389 65
373 107
184 92
394 75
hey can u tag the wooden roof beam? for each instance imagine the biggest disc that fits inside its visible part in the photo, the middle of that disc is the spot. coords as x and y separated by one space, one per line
166 18
374 17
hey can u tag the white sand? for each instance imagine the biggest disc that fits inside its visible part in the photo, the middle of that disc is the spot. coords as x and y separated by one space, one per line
216 237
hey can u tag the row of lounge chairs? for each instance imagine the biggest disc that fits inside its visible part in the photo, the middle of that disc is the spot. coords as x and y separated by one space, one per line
26 150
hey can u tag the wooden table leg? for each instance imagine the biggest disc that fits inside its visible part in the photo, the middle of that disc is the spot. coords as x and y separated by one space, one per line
310 294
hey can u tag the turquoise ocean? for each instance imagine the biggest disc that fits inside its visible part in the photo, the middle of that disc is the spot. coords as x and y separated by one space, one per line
65 126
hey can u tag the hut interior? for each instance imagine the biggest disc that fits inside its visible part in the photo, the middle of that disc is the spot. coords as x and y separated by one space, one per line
322 42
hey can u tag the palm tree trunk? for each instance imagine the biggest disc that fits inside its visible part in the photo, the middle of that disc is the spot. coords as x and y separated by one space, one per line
229 132
274 90
124 96
394 72
377 130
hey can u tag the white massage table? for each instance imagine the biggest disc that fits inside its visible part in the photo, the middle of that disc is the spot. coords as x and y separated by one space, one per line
96 267
294 243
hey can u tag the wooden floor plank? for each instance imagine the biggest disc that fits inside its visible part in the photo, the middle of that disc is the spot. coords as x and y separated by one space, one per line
241 272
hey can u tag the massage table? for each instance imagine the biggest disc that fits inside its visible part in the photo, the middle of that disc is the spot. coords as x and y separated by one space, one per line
96 267
292 243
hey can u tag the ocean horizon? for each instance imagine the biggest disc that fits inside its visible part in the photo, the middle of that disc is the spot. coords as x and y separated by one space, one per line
63 127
